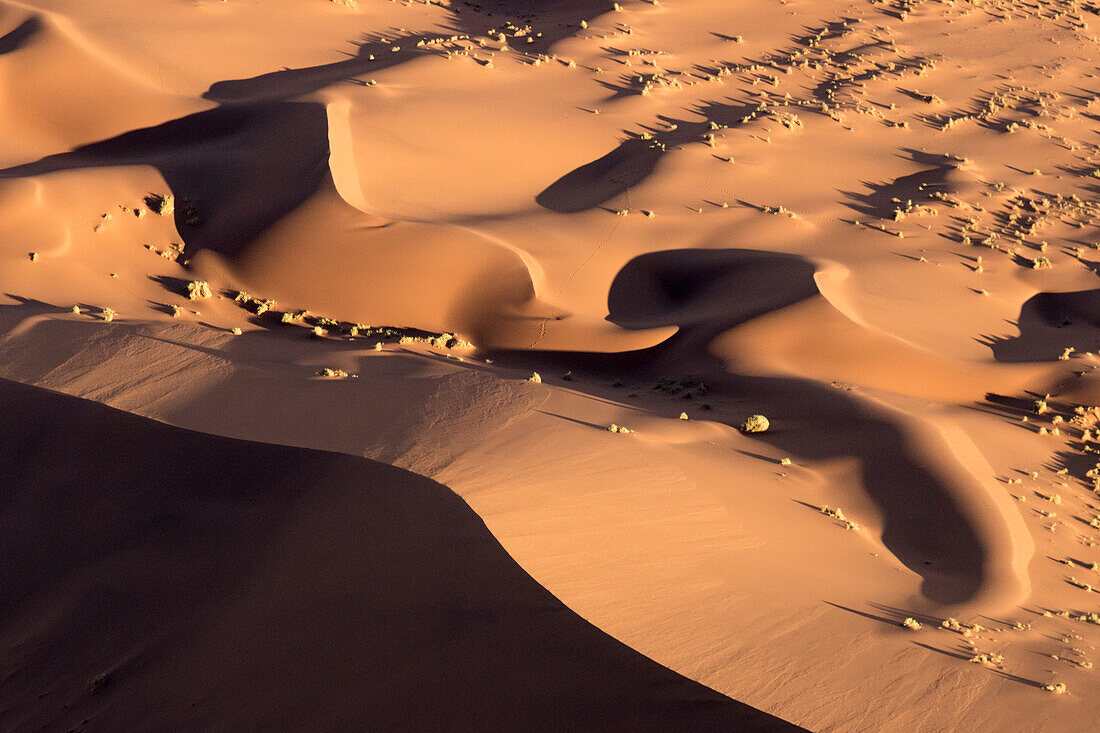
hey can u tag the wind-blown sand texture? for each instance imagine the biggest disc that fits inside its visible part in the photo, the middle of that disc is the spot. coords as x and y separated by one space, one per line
299 240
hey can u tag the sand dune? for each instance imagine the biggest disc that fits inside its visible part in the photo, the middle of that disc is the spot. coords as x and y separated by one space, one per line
873 223
162 578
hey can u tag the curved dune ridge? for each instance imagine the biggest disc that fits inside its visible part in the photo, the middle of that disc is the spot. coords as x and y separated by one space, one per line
552 256
195 581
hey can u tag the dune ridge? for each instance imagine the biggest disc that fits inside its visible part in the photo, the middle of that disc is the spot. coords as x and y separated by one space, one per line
209 582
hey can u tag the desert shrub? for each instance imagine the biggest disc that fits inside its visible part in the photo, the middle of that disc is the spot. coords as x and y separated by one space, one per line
197 289
755 424
162 205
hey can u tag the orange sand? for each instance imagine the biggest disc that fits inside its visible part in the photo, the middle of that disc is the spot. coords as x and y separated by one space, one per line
872 222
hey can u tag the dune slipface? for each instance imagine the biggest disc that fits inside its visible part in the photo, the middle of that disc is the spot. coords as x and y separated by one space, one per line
567 365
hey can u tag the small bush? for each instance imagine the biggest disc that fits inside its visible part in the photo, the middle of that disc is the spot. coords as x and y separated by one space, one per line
197 289
755 424
161 205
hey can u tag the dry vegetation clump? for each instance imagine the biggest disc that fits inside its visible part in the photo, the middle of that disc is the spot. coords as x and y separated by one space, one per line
613 428
990 658
755 424
836 513
161 205
912 623
952 624
198 289
322 326
171 252
334 373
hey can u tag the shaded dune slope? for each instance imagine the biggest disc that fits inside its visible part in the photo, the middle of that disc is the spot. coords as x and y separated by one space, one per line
952 546
160 578
252 182
245 165
1048 322
935 516
19 36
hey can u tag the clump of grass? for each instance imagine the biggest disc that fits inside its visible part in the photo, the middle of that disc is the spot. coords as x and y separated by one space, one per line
684 416
176 311
197 289
755 424
236 331
161 205
988 658
784 461
567 377
836 513
912 623
108 314
952 624
75 309
613 428
1041 263
1058 688
33 256
535 377
329 372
